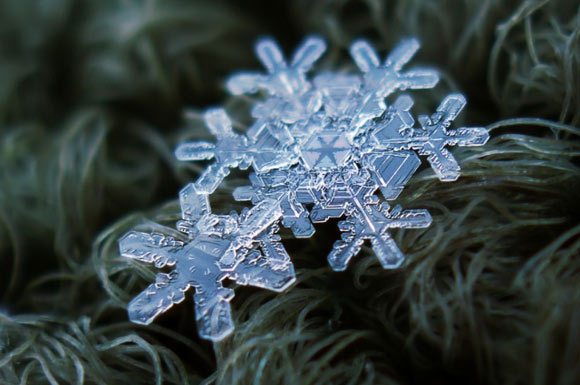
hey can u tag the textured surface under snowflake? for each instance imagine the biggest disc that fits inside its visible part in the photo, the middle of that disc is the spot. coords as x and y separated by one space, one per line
323 147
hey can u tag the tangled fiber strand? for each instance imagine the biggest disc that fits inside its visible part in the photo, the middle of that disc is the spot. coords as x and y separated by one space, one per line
90 112
47 350
471 292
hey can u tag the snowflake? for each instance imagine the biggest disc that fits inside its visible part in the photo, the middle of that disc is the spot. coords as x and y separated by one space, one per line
243 248
327 148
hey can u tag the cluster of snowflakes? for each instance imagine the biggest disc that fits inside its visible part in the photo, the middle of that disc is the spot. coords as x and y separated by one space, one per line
319 149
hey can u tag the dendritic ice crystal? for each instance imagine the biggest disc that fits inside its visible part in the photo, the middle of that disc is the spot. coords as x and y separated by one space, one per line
324 147
243 248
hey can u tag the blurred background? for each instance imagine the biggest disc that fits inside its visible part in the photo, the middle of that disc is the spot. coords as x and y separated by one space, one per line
92 99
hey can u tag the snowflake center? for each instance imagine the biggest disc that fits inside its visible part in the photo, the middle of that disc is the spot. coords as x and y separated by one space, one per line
326 149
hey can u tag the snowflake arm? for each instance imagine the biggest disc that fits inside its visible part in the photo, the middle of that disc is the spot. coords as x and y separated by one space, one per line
374 225
268 150
254 222
231 150
193 204
269 147
274 185
271 269
159 297
385 79
281 80
213 312
438 136
308 53
352 195
168 289
396 133
153 248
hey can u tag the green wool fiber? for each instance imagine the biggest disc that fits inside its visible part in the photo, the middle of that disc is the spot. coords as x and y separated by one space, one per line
91 108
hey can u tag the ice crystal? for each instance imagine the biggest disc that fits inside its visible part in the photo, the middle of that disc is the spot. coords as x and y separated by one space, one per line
243 248
327 148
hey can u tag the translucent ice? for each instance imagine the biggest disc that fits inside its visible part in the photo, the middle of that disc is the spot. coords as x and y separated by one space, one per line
243 248
330 147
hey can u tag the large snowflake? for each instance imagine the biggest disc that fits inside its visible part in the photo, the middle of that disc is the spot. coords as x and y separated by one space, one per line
243 248
329 147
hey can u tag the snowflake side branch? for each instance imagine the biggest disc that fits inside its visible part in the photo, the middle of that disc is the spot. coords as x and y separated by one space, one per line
154 248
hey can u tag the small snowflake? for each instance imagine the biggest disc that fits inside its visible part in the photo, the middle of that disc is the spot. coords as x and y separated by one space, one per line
243 248
330 148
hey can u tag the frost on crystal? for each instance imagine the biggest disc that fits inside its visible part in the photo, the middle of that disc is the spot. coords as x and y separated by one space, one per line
320 148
